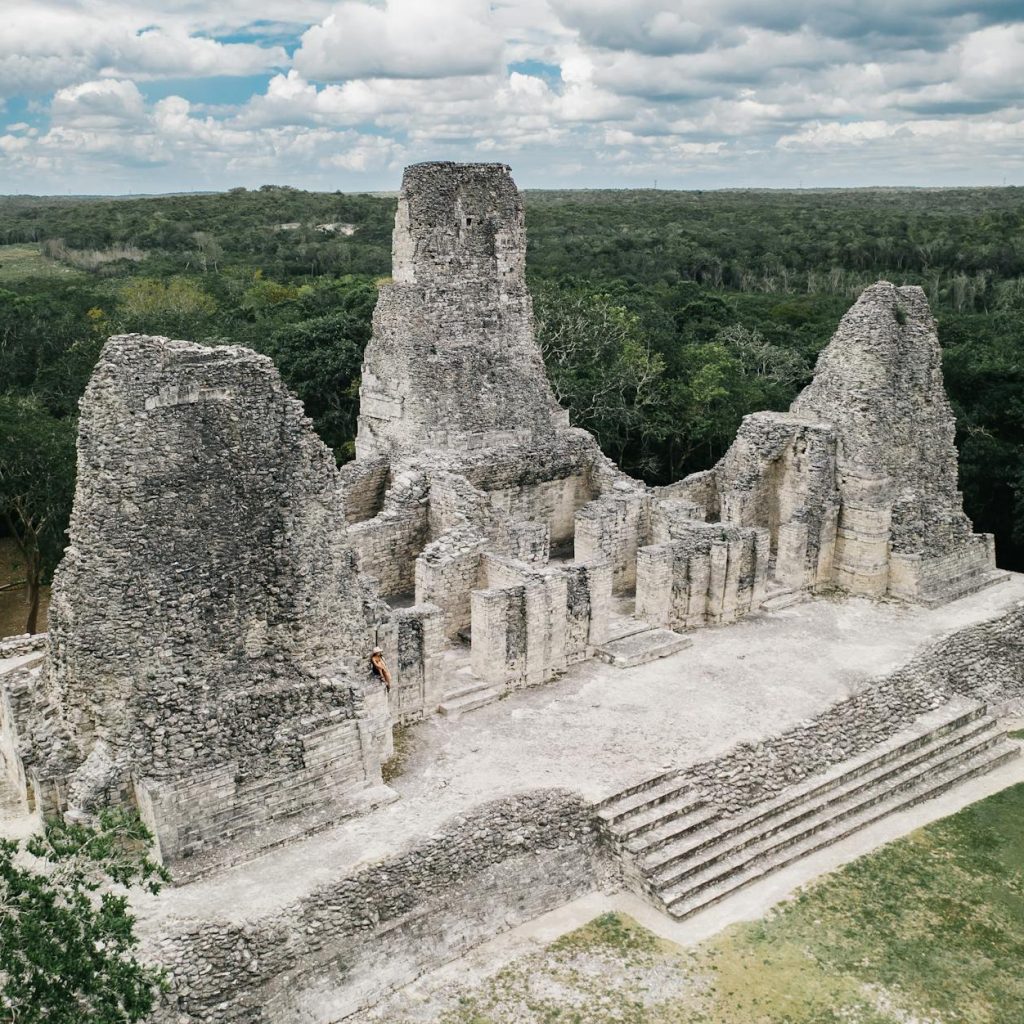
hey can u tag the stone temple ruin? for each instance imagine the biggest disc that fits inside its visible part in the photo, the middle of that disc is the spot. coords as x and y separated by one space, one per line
224 583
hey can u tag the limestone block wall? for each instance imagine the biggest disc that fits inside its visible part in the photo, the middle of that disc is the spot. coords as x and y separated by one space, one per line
531 622
412 641
36 751
929 580
857 484
24 643
862 551
551 502
197 816
698 489
498 654
879 381
453 363
534 634
447 572
386 547
671 518
365 933
780 473
15 698
544 481
589 597
208 618
364 484
529 542
712 574
611 529
985 662
456 502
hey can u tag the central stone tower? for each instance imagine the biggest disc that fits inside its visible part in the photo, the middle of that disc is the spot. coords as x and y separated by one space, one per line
453 362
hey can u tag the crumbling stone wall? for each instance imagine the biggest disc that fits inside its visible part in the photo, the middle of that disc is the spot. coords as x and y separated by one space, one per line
412 641
879 381
710 574
448 571
386 546
453 362
857 484
379 927
207 624
780 473
612 529
365 482
984 662
531 622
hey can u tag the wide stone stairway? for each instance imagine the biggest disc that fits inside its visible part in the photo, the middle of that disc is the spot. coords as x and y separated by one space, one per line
685 854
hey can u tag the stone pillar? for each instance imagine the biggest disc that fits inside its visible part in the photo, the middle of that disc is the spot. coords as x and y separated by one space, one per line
791 557
762 559
861 561
613 528
654 582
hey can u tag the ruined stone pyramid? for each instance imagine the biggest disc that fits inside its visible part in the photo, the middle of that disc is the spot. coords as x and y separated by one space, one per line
453 362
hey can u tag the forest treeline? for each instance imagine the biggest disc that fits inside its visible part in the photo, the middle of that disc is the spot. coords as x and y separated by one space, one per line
664 316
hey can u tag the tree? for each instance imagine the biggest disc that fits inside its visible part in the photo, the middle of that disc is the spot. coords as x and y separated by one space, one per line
603 370
37 474
320 360
67 939
178 306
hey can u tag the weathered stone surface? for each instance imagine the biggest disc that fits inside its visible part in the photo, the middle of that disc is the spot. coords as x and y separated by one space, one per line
707 574
453 361
368 931
879 382
454 395
207 612
857 484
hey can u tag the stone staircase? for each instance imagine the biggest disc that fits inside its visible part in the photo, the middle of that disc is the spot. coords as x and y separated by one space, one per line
632 642
684 853
468 698
969 580
779 596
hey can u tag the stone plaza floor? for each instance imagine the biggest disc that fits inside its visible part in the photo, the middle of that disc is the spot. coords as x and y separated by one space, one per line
596 730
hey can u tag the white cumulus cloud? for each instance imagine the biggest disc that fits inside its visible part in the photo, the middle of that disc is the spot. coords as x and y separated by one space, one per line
402 39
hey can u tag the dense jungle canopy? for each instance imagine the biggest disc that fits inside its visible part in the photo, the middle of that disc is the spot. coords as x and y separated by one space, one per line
664 316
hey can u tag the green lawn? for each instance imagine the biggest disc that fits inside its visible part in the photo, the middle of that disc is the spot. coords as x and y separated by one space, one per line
18 262
927 930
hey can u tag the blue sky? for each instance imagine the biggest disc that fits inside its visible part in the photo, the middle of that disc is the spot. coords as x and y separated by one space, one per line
114 96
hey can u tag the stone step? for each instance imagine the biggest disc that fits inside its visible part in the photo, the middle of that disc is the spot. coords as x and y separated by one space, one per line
962 586
956 714
675 829
638 798
472 686
638 787
836 805
650 817
640 648
476 698
777 600
683 903
619 629
807 799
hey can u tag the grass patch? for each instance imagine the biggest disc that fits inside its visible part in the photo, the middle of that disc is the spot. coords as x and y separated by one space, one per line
926 930
19 262
1017 734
